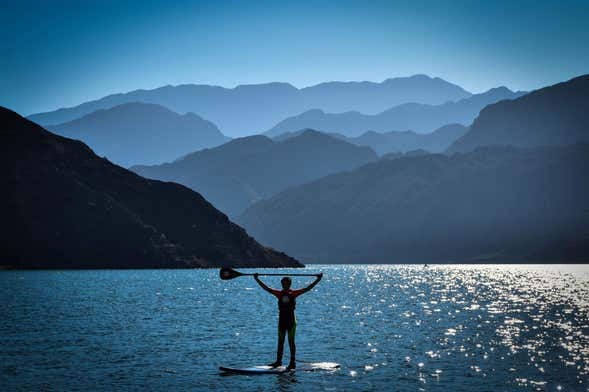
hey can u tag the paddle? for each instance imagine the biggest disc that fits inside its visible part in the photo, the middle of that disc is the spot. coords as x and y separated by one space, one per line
229 273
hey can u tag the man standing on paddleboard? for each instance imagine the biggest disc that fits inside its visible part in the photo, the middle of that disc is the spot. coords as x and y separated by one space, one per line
287 322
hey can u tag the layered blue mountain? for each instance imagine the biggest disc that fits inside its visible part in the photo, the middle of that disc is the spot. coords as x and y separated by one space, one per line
400 142
418 117
499 202
437 141
495 204
140 133
412 153
554 115
64 207
245 170
249 109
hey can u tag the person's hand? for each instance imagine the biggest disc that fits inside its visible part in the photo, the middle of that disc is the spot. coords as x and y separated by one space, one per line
256 275
320 275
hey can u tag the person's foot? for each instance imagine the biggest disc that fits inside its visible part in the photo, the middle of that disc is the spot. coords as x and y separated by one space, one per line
292 365
275 364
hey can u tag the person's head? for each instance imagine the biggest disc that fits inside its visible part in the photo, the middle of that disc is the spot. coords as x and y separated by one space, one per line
286 282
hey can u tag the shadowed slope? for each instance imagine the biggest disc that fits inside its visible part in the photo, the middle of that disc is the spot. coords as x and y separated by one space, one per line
554 115
64 207
499 204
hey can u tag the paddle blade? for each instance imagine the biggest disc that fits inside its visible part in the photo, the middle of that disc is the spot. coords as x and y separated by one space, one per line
228 273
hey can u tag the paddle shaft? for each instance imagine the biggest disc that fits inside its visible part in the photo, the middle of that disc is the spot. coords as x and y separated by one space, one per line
278 274
227 273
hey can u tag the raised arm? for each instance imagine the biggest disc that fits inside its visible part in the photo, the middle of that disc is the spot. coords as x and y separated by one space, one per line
310 287
262 284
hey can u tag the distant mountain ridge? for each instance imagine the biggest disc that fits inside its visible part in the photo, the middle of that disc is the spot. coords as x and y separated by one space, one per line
399 142
249 109
513 188
139 133
64 207
418 117
553 115
437 141
495 204
238 173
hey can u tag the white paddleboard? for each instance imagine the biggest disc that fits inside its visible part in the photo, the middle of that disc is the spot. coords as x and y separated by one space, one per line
264 369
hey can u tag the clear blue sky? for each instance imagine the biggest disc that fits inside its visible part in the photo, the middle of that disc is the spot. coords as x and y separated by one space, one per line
56 54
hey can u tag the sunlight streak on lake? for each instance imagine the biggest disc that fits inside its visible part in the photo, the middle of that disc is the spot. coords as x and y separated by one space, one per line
405 327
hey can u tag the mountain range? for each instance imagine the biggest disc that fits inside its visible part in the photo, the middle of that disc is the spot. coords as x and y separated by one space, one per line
437 141
140 133
399 142
495 204
553 115
245 170
64 207
250 109
418 117
487 200
513 186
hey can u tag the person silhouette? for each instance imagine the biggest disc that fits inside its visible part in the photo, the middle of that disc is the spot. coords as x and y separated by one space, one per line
287 322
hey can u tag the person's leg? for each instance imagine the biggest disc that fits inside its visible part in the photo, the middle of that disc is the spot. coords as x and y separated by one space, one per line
279 349
292 346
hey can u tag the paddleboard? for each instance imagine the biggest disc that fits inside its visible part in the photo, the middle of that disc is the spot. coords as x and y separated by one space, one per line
254 370
264 369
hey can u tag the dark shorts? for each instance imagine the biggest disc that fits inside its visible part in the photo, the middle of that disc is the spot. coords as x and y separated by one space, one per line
289 327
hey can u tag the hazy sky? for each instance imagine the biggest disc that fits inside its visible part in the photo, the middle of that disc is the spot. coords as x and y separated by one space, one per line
56 54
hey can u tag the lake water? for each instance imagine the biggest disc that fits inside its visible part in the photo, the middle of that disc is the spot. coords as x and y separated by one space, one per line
401 328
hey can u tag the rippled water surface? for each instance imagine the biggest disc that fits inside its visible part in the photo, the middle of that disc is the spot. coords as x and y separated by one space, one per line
391 328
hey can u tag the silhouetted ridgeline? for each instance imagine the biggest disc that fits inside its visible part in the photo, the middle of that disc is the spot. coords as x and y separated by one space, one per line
554 115
243 171
139 133
437 141
421 118
249 109
64 207
412 153
500 204
399 142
